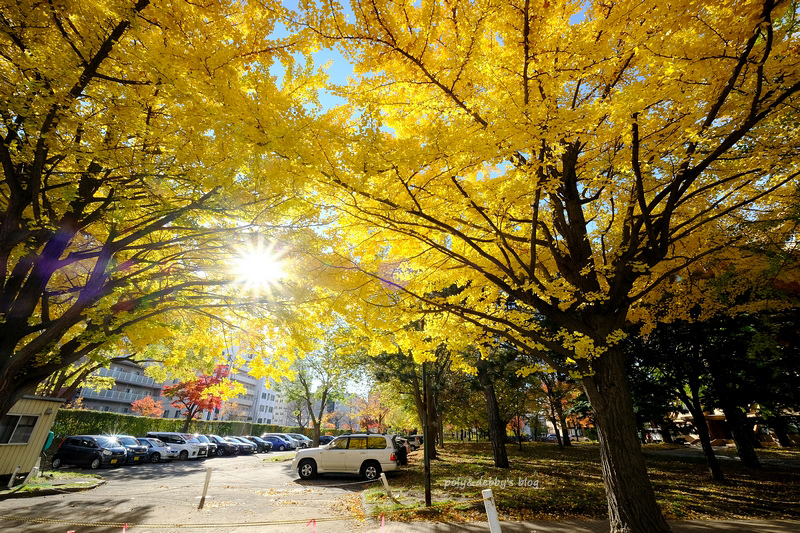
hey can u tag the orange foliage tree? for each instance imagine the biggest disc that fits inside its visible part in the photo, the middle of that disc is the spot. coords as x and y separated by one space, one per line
197 395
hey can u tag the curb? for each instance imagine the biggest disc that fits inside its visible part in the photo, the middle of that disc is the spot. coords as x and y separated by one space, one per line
17 493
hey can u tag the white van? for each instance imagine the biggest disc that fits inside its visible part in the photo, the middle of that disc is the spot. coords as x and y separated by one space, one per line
188 447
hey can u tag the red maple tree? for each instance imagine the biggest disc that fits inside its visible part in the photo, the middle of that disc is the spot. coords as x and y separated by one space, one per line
193 395
148 406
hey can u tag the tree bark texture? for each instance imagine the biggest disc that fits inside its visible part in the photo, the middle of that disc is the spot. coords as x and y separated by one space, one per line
564 428
742 435
497 428
632 506
693 404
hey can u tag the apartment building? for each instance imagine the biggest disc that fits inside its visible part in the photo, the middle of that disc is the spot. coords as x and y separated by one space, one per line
131 384
256 404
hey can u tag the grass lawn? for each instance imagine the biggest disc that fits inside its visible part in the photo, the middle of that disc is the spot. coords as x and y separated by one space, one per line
56 480
279 458
548 482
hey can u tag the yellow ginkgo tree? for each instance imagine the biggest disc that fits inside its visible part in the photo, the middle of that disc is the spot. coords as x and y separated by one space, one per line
527 171
124 198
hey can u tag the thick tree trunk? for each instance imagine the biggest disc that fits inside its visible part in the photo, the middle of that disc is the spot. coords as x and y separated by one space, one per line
554 421
497 429
742 435
632 506
779 425
666 436
693 404
564 428
317 431
187 421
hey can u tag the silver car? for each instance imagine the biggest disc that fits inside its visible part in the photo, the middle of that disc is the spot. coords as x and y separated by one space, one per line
157 451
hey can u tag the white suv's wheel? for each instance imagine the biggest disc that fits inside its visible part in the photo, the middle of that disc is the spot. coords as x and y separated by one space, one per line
371 470
307 469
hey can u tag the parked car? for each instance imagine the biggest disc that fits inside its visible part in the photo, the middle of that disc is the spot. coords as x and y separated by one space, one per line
263 446
552 437
415 441
89 450
401 441
202 450
278 443
240 448
325 439
212 446
304 441
364 454
247 446
295 444
188 447
136 452
157 450
223 446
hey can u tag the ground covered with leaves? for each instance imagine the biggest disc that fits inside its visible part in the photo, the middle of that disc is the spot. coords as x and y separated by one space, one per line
548 482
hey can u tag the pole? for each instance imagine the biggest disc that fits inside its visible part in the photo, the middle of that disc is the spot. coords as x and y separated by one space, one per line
426 441
388 489
491 511
205 488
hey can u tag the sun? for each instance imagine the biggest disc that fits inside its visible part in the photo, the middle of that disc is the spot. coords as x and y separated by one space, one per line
258 267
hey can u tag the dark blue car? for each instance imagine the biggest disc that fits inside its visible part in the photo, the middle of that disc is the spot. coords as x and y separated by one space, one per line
90 450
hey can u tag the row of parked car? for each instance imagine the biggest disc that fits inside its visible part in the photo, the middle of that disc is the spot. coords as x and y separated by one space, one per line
95 451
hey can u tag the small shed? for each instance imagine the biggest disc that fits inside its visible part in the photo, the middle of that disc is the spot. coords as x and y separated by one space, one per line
23 433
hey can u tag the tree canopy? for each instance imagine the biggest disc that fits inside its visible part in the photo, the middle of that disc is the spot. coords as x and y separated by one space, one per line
123 197
559 159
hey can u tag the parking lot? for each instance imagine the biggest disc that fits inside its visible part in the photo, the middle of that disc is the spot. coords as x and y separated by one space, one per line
246 494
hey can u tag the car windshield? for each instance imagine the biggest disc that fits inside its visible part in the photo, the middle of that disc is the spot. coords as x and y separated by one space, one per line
108 442
203 438
128 441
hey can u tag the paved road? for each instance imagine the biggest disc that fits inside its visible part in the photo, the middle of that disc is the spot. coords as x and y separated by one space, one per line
246 494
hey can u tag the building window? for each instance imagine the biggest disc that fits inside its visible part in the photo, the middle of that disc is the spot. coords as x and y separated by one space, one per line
166 413
270 409
123 410
261 408
16 429
259 420
271 396
269 421
177 414
263 395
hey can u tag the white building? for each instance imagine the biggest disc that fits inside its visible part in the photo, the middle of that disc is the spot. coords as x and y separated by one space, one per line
130 385
255 405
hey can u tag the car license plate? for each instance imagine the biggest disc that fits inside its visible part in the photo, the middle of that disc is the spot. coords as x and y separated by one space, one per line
113 460
136 458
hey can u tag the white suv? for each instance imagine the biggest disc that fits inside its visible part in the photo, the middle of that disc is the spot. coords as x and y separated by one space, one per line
364 454
188 447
